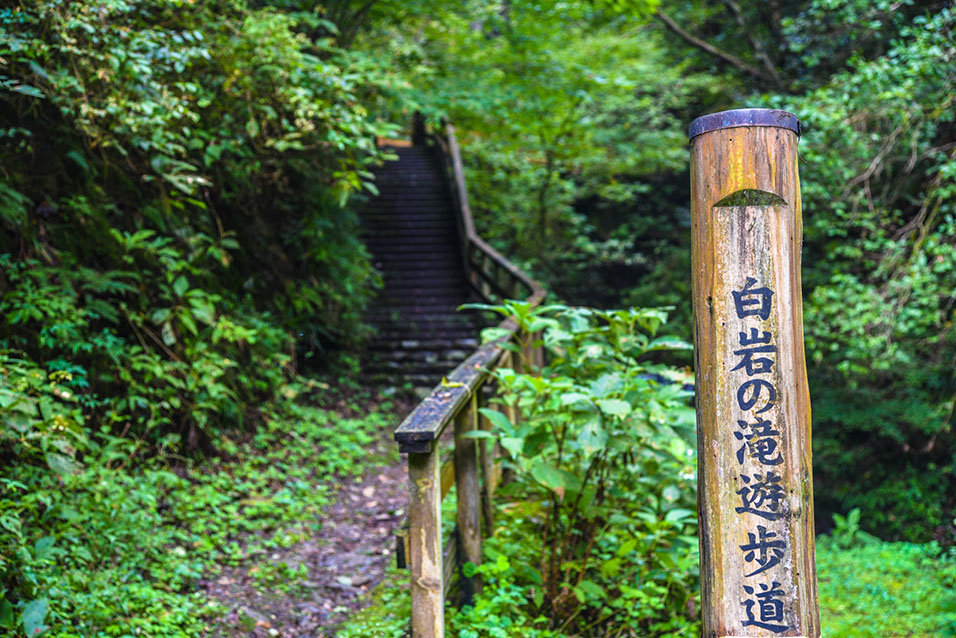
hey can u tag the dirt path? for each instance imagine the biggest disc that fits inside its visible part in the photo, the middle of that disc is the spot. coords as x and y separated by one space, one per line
341 561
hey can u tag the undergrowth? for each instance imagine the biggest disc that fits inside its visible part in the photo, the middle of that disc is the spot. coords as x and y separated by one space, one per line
880 589
388 611
113 548
869 590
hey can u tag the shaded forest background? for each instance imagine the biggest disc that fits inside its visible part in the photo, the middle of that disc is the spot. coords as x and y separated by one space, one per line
178 183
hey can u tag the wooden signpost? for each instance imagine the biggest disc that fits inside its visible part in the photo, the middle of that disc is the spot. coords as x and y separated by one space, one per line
758 571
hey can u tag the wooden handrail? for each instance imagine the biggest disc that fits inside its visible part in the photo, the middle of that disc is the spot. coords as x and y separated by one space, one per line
428 420
447 145
458 400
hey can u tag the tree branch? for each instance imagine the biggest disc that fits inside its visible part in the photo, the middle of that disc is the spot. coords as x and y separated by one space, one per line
776 20
757 45
711 49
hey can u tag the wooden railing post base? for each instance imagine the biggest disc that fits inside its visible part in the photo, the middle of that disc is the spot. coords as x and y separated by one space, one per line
424 514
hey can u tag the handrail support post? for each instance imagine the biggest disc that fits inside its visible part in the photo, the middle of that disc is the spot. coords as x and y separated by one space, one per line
424 517
468 495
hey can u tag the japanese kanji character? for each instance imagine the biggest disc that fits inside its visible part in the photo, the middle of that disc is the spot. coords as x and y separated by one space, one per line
756 336
746 299
763 550
768 606
754 365
761 492
755 385
759 442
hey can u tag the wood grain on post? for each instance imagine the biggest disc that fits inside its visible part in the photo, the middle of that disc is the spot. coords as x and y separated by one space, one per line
424 518
468 494
489 478
510 359
758 570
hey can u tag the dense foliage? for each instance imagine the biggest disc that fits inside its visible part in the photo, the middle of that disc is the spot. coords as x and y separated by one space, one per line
879 191
173 237
873 83
859 581
171 204
177 236
602 450
572 120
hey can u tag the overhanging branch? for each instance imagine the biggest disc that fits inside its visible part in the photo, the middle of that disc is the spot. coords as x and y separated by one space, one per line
703 45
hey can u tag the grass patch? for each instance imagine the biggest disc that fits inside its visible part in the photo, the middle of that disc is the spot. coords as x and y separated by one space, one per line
883 590
389 612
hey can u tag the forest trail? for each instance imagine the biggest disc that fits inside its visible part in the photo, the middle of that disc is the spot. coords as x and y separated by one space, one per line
334 566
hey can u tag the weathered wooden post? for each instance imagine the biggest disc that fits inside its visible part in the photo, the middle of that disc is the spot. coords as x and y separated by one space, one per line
758 571
468 496
424 520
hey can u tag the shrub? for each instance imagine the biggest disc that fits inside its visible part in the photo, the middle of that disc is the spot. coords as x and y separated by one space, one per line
604 454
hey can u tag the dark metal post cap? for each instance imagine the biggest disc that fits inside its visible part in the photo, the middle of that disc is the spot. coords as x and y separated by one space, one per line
743 117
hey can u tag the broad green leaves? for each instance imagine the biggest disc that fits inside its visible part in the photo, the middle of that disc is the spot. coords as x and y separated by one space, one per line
33 616
603 434
614 407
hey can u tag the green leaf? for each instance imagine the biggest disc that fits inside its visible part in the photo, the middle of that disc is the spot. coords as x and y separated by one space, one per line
180 286
540 323
557 336
592 438
160 315
668 343
592 589
493 334
678 515
606 384
26 89
498 420
650 319
614 407
671 493
6 614
203 310
548 475
77 159
626 547
169 337
479 434
43 545
513 445
611 567
62 464
570 398
33 615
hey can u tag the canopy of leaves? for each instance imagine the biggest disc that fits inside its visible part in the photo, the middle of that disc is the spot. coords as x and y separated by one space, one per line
172 183
572 118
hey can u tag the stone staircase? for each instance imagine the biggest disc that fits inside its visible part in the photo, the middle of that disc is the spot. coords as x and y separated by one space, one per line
412 233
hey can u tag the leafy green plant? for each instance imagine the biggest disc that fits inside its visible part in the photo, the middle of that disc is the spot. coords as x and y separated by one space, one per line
388 609
846 532
604 443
